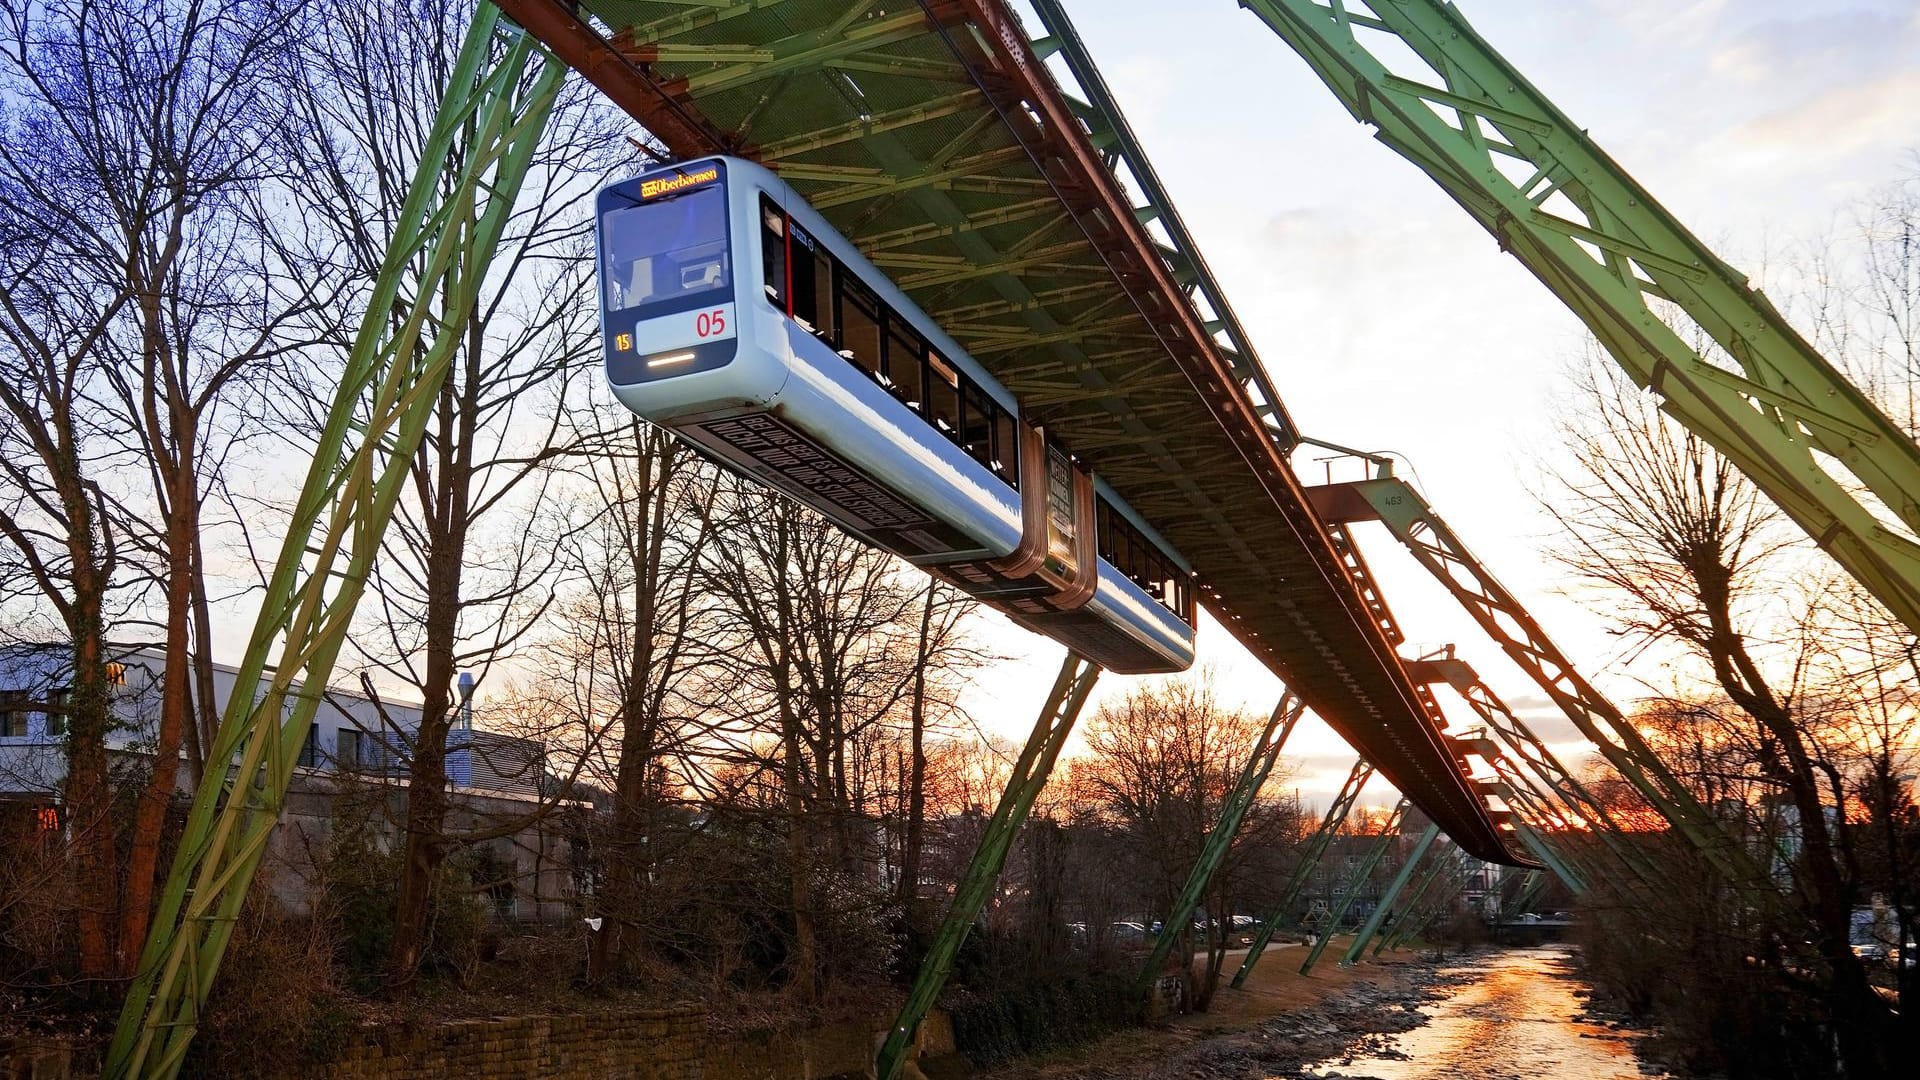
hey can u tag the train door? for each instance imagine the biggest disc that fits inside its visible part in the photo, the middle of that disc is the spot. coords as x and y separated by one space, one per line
1056 567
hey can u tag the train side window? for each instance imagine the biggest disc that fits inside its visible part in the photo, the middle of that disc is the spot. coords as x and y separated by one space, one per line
859 323
812 271
773 252
823 271
1143 562
906 363
943 394
1006 448
976 423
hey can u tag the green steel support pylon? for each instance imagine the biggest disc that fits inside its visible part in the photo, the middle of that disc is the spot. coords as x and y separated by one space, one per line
1440 902
1530 890
1399 882
1546 771
1030 772
1508 875
1310 857
1438 870
1763 397
1575 870
1352 891
1233 810
470 172
1395 504
1545 853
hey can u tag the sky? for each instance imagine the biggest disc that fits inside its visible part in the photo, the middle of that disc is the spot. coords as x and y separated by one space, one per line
1388 320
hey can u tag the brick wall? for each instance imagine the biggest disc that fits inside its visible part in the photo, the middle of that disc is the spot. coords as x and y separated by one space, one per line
665 1044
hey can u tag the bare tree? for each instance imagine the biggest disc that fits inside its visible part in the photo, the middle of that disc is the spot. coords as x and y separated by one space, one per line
463 579
136 291
1161 762
627 641
1673 529
1889 227
939 612
821 646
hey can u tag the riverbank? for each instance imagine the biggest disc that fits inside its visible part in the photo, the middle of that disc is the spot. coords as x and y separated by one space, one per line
1279 1025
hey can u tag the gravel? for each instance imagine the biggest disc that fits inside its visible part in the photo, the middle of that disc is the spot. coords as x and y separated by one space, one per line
1322 1038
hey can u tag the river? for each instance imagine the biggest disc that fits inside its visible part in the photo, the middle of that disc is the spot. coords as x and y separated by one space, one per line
1513 1016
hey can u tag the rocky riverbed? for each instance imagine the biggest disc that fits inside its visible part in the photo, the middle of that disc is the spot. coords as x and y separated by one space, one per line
1493 1014
1353 1023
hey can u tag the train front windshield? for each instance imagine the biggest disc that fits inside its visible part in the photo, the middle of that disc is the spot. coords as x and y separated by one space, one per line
667 252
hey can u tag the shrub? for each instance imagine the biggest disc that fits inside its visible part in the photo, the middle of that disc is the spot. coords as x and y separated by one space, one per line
277 1005
1041 1015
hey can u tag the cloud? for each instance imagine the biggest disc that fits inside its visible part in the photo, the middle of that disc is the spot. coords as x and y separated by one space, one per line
1555 729
1320 764
1665 20
1803 53
1530 704
1836 123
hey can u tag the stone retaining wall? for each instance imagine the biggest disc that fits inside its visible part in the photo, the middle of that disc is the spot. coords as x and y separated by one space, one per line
664 1044
658 1044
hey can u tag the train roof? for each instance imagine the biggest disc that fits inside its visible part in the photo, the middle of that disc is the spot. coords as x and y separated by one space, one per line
937 141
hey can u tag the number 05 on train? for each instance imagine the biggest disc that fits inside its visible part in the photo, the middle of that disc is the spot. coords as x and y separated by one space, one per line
737 318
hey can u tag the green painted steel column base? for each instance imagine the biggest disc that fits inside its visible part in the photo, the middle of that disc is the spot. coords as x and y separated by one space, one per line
1030 772
1233 810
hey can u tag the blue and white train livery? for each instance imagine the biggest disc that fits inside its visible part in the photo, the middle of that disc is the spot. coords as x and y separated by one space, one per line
737 318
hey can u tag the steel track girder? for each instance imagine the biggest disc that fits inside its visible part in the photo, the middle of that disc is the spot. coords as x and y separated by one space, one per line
1394 503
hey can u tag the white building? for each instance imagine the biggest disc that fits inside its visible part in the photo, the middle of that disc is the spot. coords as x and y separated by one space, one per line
358 746
351 732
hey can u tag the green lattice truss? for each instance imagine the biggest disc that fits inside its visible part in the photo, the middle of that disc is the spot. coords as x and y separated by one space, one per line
492 115
1646 287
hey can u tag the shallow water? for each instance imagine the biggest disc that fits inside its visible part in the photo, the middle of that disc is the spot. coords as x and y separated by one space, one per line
1513 1019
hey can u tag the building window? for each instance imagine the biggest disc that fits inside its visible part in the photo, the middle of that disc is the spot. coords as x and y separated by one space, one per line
13 714
59 704
310 749
346 749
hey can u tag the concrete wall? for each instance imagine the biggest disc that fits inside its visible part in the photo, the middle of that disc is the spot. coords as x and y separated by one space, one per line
537 852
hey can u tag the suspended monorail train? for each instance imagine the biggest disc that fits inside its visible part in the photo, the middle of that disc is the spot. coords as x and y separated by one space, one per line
737 318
